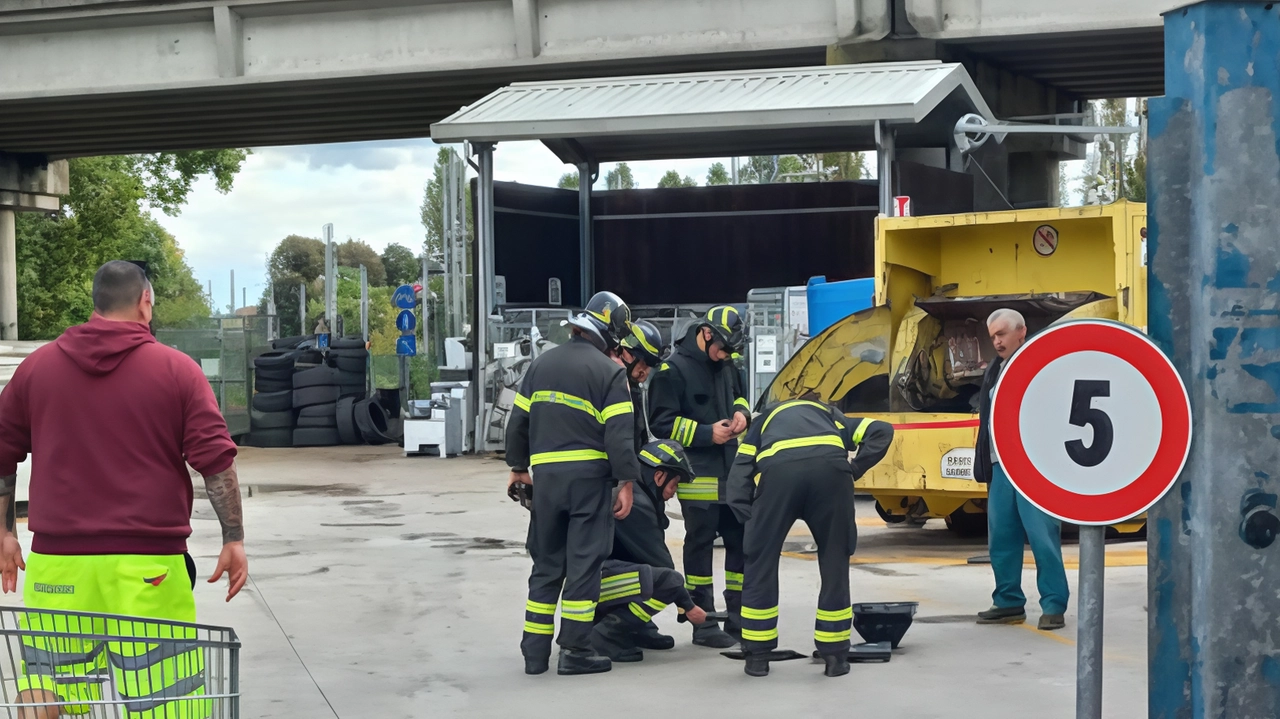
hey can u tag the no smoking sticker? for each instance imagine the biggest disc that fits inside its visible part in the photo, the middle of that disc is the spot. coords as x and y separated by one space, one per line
1045 240
1091 422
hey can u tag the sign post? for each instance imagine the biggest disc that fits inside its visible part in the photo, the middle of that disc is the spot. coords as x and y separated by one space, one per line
1093 425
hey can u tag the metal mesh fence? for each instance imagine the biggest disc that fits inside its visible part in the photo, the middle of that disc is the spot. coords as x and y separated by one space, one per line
225 347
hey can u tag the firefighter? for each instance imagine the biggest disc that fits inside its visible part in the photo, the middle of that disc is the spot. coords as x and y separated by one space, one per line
794 464
572 426
629 594
696 398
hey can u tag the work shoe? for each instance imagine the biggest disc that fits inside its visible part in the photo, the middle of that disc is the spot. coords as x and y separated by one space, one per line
1050 622
756 666
536 666
582 661
837 664
1003 615
708 634
612 638
650 638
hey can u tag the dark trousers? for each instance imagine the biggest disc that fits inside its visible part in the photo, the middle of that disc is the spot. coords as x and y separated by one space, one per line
702 522
638 591
821 493
570 531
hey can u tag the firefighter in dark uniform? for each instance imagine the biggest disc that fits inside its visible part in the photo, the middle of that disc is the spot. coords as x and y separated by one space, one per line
641 352
639 541
794 464
572 426
696 398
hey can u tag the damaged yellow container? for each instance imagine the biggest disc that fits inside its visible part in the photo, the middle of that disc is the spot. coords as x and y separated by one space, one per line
917 358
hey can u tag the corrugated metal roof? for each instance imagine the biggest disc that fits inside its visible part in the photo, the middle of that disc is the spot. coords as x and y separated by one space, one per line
655 116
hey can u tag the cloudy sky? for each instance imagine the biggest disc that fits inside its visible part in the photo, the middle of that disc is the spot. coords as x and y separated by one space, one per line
368 190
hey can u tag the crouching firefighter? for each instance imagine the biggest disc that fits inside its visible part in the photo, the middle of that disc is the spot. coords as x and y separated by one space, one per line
794 464
629 596
572 426
696 398
641 538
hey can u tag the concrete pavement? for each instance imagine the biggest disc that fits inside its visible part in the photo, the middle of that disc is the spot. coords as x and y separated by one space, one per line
395 586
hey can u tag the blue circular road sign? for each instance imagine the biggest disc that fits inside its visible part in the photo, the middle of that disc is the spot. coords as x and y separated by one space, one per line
404 297
406 321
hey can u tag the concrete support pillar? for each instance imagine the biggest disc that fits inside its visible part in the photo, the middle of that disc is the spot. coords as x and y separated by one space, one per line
8 275
1214 306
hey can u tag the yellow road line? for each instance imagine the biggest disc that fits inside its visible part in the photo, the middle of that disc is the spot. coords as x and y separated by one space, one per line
1051 635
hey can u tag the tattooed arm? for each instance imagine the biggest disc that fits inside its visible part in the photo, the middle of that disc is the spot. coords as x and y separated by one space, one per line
10 550
223 489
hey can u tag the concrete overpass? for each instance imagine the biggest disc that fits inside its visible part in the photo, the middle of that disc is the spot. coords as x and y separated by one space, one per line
82 77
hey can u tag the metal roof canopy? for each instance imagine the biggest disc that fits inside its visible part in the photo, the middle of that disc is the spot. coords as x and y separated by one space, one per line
713 114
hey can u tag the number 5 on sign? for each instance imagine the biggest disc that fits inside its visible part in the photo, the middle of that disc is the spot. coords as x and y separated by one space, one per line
1091 422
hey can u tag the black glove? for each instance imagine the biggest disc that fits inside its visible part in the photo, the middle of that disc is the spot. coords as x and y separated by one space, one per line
522 493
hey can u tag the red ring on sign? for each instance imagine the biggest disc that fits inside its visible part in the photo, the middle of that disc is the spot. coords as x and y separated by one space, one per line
1175 436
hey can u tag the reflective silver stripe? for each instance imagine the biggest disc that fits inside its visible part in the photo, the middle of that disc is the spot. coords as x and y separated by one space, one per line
168 650
36 657
177 690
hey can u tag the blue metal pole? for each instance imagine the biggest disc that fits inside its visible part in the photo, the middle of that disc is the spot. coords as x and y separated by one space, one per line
1214 293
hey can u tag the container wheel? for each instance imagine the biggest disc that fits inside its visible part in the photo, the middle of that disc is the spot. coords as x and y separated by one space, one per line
967 524
889 517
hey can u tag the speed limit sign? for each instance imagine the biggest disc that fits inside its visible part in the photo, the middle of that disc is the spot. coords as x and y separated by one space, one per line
1091 422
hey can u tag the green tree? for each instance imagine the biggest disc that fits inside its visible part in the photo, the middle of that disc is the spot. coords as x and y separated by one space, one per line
103 217
400 264
432 209
568 181
620 178
673 179
295 261
844 166
759 170
718 175
354 253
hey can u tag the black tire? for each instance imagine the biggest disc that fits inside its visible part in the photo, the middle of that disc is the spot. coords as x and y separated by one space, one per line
347 343
318 410
270 438
327 420
345 418
273 401
315 437
275 359
272 385
270 420
351 364
307 396
372 422
359 353
275 374
308 357
315 376
359 391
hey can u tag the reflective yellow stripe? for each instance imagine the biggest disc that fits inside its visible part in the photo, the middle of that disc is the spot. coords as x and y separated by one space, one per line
655 605
733 581
861 430
571 455
616 410
701 489
818 441
669 451
749 613
639 611
682 430
621 592
826 636
743 403
838 615
664 367
753 635
577 610
692 580
639 335
646 455
789 405
537 628
747 449
539 607
613 579
523 402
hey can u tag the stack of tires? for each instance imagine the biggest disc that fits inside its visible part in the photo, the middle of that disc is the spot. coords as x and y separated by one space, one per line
271 417
317 391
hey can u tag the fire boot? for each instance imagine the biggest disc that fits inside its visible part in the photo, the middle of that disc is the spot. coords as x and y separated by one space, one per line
756 666
709 634
582 661
837 664
648 637
612 638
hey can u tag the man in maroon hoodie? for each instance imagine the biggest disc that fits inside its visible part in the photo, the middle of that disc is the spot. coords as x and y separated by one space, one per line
111 420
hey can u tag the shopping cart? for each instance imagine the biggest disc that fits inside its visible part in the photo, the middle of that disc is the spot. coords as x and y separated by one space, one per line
104 665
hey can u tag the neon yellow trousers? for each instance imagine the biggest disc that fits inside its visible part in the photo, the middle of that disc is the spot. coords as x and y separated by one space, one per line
154 680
